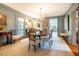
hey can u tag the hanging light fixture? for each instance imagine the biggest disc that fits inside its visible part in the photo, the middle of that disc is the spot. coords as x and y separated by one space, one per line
41 17
40 14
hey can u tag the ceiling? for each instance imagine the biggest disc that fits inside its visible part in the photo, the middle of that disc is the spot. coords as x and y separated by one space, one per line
33 9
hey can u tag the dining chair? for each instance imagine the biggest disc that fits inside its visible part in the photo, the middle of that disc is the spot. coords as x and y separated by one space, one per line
48 39
33 41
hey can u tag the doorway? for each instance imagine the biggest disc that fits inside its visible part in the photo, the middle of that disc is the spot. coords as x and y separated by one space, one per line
53 26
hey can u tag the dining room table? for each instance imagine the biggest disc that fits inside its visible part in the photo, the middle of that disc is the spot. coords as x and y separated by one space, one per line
39 36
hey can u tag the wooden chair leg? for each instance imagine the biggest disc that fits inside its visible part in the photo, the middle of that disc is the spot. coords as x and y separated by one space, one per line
34 48
19 40
43 42
39 45
50 43
29 47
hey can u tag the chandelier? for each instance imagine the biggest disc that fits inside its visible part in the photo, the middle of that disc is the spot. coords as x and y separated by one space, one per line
41 17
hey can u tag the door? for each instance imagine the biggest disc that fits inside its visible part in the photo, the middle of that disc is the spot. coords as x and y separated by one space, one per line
53 26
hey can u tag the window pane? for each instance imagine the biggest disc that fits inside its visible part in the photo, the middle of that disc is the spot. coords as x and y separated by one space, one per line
21 23
20 32
20 27
20 19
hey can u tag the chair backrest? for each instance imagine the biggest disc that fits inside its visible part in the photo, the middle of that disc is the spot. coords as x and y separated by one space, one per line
31 35
50 34
37 32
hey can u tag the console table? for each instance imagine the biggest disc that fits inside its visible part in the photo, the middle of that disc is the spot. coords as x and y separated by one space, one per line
63 35
8 36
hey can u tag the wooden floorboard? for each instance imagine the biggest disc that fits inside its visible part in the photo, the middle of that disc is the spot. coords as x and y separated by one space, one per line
74 48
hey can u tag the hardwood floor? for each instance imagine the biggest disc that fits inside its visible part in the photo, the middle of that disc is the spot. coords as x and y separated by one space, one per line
74 48
59 48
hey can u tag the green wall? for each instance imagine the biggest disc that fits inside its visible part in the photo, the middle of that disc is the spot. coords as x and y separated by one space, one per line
60 23
11 19
11 16
72 24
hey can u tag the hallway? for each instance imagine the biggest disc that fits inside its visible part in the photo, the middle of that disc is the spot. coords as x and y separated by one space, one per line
20 48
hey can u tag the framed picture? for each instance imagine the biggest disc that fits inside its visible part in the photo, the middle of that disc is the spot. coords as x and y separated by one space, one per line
68 21
3 21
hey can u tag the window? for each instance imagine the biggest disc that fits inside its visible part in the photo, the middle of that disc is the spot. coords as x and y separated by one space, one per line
20 26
